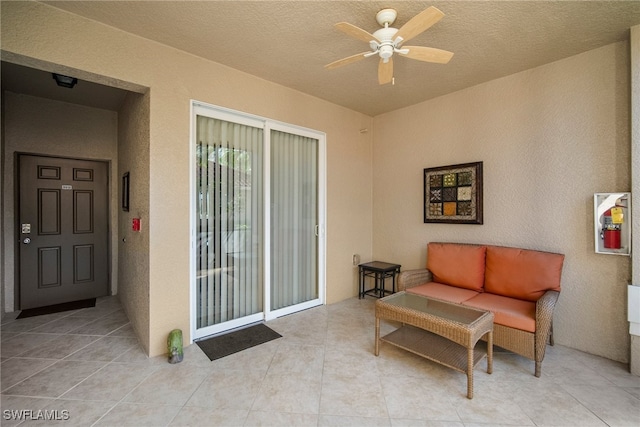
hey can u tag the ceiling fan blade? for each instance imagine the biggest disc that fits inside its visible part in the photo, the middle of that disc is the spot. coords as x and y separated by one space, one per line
419 23
385 71
355 32
345 61
427 54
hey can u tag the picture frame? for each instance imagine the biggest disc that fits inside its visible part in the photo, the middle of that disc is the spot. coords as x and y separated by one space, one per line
125 192
453 194
612 223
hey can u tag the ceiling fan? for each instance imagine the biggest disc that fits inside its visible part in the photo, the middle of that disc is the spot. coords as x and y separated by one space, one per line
388 40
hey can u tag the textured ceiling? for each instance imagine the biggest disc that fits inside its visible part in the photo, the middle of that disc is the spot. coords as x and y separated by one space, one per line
289 42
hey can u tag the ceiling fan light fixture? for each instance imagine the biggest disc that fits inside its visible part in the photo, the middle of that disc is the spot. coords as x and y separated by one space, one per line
64 81
386 51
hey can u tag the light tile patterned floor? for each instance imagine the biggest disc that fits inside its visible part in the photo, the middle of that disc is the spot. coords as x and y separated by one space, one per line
88 367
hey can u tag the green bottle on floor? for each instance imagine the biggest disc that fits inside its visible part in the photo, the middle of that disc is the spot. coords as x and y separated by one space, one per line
174 346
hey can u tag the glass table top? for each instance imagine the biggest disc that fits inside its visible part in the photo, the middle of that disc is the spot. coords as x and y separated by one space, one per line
446 310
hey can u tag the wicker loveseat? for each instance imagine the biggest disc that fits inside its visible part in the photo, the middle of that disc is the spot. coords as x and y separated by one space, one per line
519 286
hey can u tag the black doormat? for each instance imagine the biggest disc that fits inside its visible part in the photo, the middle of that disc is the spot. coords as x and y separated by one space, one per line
57 308
233 342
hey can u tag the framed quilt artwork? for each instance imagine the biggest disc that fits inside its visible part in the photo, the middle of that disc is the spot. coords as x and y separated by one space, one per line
453 194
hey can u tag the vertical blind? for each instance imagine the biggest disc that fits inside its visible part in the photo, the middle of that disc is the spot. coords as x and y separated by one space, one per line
229 226
294 219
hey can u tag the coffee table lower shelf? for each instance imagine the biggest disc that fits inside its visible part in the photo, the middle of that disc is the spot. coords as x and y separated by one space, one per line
435 347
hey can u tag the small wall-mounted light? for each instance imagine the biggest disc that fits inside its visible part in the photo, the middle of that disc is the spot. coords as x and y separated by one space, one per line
64 81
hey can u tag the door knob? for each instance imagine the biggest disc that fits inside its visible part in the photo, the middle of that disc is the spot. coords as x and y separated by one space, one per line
26 240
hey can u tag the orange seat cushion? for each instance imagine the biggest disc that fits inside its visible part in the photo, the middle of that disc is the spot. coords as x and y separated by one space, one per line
521 273
457 265
510 312
443 292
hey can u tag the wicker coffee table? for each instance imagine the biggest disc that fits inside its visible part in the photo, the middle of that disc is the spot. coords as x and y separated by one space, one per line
440 331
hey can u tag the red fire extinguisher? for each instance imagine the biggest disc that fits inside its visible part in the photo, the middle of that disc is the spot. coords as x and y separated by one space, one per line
612 221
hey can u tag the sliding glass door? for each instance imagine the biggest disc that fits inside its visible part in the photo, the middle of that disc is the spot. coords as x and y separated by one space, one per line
258 220
229 224
294 221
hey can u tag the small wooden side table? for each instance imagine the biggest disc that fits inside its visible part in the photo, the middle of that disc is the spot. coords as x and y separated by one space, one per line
380 271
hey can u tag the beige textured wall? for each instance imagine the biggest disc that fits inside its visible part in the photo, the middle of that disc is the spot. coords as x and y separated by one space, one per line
36 34
42 126
550 138
133 253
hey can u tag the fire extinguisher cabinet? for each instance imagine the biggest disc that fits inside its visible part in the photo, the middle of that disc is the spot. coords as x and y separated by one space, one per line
612 221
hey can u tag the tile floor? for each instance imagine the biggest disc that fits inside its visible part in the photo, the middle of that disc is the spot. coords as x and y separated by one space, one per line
87 367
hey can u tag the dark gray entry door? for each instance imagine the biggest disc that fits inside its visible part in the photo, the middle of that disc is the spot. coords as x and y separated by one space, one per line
63 230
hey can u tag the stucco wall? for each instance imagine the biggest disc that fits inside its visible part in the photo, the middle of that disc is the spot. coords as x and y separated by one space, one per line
42 126
37 35
549 138
133 253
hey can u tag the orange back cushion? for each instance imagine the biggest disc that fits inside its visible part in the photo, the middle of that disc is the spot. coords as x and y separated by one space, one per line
457 264
522 273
